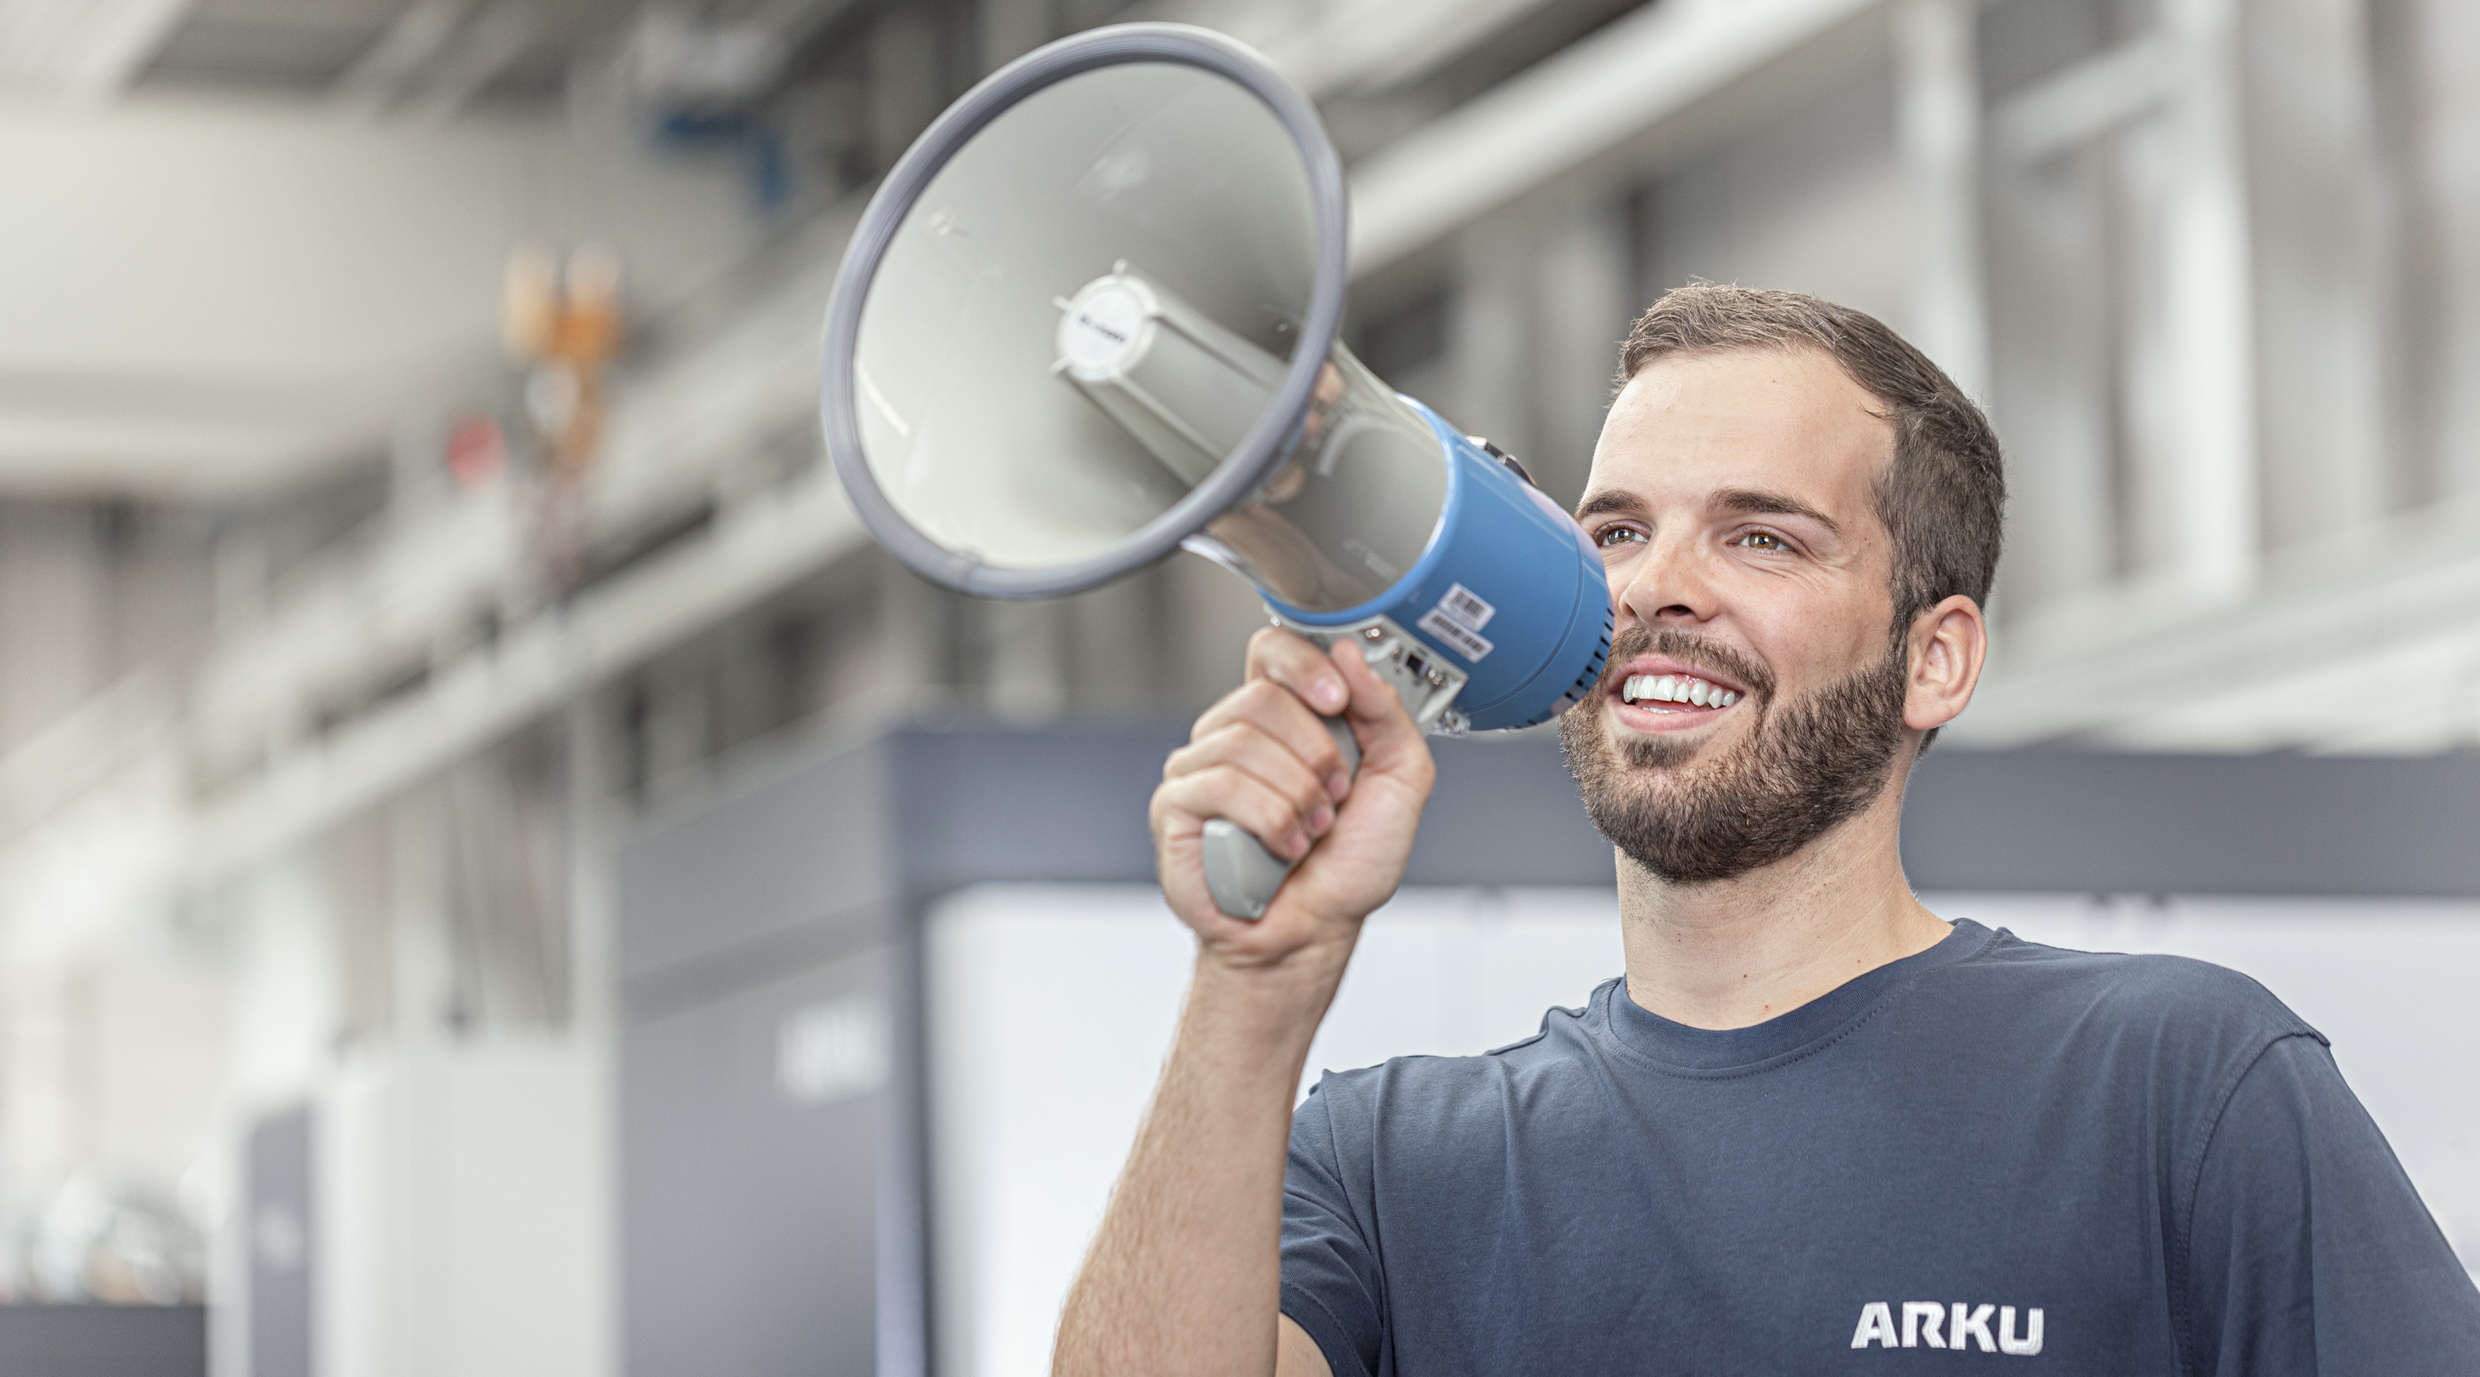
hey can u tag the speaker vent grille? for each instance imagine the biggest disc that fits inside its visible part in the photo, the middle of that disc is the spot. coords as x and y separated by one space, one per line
1586 681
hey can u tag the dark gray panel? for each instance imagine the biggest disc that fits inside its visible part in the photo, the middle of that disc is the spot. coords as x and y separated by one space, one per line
104 1341
717 974
986 803
980 802
282 1222
749 1238
758 864
2185 824
967 803
1506 812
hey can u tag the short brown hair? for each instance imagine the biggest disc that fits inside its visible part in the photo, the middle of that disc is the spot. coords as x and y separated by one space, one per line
1943 499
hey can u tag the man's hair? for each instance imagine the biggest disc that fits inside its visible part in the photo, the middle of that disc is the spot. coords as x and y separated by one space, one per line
1943 499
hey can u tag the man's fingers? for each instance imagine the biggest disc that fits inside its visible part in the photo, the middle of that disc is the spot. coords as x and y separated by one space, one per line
1281 714
1270 761
1298 665
1226 791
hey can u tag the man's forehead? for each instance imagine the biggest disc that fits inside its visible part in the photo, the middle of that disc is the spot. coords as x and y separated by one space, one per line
1715 427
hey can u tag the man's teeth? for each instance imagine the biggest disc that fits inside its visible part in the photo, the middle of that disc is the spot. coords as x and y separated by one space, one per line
1676 688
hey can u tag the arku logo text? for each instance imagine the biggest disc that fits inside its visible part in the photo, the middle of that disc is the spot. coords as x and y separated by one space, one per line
1933 1324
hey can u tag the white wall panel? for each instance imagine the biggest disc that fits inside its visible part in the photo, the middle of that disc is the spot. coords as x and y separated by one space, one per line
460 1216
1051 1007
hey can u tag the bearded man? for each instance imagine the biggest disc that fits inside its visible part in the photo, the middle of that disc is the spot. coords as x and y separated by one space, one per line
1814 1126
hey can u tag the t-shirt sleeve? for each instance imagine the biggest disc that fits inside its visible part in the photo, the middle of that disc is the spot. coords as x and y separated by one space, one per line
2310 1253
1331 1284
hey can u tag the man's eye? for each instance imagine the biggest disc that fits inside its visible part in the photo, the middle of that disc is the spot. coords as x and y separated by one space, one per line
1764 540
1614 535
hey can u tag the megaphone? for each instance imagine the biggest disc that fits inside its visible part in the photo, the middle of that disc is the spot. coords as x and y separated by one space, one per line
1090 318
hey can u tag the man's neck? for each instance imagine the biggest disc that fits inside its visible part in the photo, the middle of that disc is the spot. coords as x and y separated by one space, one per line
1734 953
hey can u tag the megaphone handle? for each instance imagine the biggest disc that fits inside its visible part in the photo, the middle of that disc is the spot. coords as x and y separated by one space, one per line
1241 873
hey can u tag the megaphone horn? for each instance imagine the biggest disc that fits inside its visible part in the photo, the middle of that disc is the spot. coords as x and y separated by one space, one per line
1091 316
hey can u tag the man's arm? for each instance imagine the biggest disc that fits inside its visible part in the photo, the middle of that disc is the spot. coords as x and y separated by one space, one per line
1184 1273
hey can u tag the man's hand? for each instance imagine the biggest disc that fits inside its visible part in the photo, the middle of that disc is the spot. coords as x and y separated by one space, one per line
1263 758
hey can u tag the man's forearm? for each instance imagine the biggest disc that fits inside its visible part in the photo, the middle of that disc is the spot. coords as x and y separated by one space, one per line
1184 1273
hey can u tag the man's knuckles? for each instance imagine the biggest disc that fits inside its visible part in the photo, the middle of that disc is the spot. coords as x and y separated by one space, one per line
1280 716
1260 700
1227 791
1272 759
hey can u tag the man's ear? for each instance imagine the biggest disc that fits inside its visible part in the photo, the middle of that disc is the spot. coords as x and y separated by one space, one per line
1949 642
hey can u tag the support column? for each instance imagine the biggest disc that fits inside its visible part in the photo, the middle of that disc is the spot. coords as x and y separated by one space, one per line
1938 139
2209 500
55 600
2319 279
2447 76
1585 302
1490 336
593 1010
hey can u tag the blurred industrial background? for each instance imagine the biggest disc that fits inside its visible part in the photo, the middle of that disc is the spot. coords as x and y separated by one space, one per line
411 498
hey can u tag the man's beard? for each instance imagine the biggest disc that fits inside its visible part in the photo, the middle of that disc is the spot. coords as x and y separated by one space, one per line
1805 766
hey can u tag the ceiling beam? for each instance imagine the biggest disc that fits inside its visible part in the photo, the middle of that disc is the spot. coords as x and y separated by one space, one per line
1602 101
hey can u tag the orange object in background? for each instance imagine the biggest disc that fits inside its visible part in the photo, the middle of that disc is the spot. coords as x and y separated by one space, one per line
564 326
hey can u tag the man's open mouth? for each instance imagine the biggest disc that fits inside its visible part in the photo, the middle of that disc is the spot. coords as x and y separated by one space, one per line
1674 691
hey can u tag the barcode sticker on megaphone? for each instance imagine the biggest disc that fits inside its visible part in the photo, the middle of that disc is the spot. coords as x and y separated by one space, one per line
1458 619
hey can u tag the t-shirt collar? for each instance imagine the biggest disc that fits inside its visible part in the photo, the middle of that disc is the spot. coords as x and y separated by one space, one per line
1741 1050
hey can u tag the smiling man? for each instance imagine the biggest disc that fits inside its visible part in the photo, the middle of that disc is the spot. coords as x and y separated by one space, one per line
1813 1126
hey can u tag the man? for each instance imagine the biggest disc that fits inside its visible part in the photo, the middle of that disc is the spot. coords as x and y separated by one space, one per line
1814 1127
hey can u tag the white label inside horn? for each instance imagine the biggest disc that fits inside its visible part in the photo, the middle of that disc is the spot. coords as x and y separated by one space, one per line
1102 332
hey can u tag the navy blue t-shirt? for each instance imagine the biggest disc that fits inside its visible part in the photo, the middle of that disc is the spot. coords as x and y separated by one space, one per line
2051 1161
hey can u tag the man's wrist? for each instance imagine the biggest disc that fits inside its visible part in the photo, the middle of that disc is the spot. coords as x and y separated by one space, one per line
1279 1001
1308 971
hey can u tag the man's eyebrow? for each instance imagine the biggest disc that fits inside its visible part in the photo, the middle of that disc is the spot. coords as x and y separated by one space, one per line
1730 500
1774 504
1609 500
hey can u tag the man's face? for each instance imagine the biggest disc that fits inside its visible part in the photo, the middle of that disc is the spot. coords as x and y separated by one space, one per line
1731 497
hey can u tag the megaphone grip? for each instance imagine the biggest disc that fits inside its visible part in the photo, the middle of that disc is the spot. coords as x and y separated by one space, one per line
1241 873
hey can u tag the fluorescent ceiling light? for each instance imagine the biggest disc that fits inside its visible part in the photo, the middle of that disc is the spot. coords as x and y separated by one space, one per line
83 47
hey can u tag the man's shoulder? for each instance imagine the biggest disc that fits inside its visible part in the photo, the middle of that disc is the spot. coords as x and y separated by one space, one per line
1550 1048
2114 994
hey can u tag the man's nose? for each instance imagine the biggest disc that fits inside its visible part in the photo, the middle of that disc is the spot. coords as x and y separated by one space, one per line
1667 583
